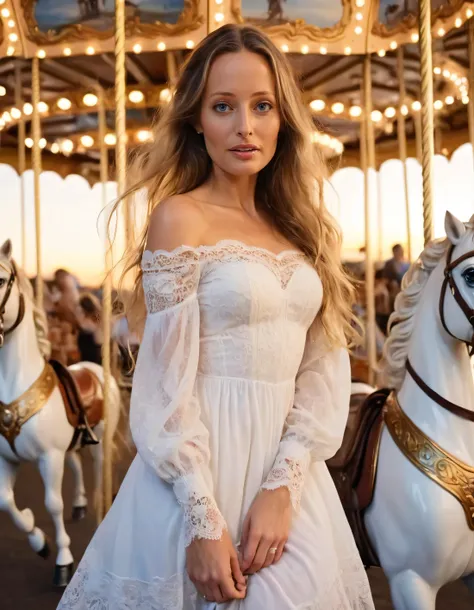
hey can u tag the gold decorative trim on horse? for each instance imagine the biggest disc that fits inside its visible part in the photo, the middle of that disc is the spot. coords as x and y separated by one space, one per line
18 412
447 471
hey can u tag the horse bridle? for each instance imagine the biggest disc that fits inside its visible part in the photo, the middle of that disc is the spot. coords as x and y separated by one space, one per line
469 313
3 304
463 305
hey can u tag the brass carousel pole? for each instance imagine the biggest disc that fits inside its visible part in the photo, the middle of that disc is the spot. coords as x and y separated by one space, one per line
106 497
36 161
471 84
427 117
369 145
21 159
120 113
402 144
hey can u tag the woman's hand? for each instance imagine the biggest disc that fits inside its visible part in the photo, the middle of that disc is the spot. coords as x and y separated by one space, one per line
213 567
265 530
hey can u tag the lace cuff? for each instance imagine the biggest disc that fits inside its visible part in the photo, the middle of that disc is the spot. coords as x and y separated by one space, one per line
202 517
289 470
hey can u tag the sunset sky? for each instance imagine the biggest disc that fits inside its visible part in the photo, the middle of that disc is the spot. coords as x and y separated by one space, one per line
73 235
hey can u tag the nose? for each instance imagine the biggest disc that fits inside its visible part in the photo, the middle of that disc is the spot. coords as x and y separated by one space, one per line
244 123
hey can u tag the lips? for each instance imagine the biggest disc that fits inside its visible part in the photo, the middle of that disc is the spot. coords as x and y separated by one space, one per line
244 148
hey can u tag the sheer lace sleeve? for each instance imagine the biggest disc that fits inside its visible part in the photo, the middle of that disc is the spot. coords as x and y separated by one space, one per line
165 414
315 425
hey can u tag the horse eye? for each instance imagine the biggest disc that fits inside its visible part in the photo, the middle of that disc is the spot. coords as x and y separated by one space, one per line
468 276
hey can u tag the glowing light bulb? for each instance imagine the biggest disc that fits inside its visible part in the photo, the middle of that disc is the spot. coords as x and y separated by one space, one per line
337 108
376 116
87 141
144 135
136 97
41 53
190 44
390 112
285 48
161 46
90 99
305 49
381 53
355 111
137 48
110 139
323 50
64 104
317 105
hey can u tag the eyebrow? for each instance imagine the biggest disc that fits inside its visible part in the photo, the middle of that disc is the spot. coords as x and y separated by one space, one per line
229 94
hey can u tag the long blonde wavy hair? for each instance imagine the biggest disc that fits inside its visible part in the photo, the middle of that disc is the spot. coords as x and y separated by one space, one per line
177 162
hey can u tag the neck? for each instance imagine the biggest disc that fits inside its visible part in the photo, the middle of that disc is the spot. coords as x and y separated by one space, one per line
21 362
233 191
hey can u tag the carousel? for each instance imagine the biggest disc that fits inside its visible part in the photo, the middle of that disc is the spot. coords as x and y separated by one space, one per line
81 82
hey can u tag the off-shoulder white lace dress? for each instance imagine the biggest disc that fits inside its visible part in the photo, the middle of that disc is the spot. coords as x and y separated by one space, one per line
234 391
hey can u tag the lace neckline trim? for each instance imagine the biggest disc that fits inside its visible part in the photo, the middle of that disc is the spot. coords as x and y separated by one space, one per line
221 244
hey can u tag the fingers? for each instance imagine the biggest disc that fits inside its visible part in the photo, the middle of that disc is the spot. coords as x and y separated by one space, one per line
239 578
216 595
260 556
270 558
280 550
229 590
250 549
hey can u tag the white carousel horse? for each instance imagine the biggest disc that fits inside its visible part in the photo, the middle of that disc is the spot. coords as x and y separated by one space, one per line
420 521
35 427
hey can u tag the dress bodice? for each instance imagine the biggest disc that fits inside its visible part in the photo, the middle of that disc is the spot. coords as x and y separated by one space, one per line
255 307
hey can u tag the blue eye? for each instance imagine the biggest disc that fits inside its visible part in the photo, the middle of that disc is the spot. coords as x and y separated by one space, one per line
221 107
468 276
264 106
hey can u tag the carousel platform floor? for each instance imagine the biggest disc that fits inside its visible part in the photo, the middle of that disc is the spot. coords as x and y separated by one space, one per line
25 579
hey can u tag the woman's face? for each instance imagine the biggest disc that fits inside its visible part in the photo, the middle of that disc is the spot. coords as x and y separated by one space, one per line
239 117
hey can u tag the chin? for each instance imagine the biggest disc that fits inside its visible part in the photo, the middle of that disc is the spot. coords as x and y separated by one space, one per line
246 168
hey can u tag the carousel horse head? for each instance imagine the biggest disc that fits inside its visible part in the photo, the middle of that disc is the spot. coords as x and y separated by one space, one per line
444 274
12 302
456 303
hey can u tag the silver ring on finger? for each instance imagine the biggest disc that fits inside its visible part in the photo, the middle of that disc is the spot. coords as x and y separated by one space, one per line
273 550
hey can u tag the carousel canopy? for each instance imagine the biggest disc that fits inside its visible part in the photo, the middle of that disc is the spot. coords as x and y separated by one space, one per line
325 40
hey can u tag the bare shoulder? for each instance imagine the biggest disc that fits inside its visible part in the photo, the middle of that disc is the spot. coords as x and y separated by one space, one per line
174 222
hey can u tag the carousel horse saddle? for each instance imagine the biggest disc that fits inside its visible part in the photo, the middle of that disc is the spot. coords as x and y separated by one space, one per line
83 400
354 466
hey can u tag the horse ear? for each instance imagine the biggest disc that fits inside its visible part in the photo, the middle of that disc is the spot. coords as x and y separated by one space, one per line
455 229
6 249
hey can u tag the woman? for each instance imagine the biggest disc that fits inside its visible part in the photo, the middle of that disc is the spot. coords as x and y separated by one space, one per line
89 335
242 383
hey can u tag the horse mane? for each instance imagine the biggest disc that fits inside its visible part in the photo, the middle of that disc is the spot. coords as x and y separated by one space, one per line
39 315
401 321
